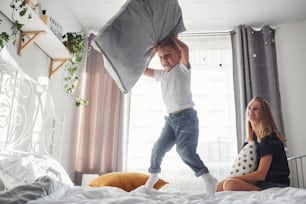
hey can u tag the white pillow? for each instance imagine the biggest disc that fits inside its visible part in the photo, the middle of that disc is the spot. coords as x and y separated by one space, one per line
245 162
24 170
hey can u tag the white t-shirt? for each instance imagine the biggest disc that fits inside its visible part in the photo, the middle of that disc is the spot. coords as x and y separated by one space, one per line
175 87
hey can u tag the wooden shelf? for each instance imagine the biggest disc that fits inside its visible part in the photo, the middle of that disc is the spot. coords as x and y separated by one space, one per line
36 31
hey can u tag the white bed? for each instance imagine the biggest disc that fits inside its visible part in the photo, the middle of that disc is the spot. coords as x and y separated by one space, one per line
114 195
59 194
30 148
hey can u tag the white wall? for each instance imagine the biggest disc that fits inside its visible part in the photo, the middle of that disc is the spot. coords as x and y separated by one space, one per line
64 104
35 63
291 59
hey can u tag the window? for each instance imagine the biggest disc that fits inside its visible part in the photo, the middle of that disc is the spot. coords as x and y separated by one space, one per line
213 94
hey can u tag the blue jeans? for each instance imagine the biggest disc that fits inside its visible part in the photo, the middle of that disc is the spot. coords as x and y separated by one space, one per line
180 129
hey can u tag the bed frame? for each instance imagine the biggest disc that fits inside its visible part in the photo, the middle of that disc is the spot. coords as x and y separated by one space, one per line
28 123
297 167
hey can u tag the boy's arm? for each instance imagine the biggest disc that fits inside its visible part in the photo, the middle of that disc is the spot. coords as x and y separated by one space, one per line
149 72
184 51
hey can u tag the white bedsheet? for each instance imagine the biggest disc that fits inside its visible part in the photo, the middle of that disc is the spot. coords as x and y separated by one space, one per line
112 195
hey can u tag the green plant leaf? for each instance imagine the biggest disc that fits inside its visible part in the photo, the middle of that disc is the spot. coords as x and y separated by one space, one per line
75 43
23 11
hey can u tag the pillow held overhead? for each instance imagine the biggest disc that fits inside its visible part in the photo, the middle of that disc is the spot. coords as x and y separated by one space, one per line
129 37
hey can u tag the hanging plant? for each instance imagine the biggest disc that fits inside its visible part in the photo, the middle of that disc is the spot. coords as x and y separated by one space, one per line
19 8
75 42
4 38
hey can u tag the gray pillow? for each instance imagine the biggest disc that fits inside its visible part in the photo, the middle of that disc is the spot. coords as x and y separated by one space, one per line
129 37
41 187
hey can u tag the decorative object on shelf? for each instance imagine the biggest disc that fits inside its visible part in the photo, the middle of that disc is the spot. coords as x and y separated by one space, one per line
45 17
52 24
75 42
55 27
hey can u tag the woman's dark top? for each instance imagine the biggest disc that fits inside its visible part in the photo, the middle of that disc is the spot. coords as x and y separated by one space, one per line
279 170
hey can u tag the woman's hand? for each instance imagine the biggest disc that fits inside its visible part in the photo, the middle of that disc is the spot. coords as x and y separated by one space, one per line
220 186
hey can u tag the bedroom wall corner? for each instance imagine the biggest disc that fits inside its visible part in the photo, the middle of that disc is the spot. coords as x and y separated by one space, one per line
291 59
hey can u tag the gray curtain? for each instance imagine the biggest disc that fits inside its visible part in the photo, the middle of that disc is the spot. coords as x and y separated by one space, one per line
255 73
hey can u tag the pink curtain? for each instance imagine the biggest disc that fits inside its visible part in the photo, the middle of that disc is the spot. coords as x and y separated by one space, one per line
98 145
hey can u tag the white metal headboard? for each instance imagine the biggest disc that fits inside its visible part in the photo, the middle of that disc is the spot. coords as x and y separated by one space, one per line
28 123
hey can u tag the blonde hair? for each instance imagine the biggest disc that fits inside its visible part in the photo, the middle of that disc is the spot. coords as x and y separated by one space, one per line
266 125
168 42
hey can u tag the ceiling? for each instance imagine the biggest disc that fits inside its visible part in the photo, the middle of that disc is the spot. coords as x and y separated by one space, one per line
202 15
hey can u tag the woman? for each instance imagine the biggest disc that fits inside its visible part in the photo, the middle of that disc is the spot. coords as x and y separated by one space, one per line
272 166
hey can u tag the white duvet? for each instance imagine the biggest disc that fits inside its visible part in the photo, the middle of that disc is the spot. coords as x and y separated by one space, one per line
112 195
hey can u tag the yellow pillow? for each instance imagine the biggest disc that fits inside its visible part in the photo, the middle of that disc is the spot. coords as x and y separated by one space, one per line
127 181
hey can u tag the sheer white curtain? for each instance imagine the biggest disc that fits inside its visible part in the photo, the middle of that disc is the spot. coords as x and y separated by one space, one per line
212 87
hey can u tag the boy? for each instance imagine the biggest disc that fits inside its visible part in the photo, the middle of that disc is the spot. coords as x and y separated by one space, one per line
181 125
